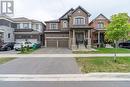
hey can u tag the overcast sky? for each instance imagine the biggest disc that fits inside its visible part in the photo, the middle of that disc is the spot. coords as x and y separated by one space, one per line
44 10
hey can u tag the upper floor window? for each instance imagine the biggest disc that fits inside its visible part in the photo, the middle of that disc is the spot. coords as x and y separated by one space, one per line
100 25
37 26
53 26
18 26
79 21
26 25
8 35
64 24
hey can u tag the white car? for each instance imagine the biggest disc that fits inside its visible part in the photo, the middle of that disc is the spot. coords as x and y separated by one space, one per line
18 46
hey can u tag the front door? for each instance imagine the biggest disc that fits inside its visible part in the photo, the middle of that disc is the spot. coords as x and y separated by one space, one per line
79 37
101 37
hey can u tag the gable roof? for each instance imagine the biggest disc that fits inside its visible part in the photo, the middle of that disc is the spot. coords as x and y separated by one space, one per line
52 21
99 16
6 18
79 7
23 19
67 13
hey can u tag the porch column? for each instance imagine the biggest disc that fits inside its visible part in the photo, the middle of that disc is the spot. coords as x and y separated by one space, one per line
45 42
98 37
89 39
73 40
70 39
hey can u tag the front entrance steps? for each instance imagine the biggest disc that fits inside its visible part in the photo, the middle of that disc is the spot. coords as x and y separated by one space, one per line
82 47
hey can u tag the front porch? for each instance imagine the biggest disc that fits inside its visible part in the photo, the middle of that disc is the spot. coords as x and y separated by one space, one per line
98 38
80 39
1 37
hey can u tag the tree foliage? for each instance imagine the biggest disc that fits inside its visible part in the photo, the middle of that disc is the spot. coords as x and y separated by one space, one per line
119 27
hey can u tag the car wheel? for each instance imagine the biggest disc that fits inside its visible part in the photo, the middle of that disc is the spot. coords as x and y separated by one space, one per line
121 46
8 48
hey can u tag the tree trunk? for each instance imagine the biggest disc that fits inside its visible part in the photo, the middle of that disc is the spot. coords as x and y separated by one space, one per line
115 54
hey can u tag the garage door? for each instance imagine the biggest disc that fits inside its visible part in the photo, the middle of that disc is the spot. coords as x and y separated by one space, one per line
51 43
61 43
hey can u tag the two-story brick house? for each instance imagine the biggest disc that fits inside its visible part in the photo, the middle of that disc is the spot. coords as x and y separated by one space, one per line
21 30
73 30
99 24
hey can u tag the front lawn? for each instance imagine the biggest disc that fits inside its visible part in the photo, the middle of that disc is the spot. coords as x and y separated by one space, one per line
104 50
4 60
104 64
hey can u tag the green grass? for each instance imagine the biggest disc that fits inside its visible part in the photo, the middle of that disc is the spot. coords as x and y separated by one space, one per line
28 52
104 64
104 50
4 60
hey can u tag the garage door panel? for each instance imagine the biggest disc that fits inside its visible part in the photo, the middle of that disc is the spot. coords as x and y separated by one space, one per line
57 43
51 43
63 43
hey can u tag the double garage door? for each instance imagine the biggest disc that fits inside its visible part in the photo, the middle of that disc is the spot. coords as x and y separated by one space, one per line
58 43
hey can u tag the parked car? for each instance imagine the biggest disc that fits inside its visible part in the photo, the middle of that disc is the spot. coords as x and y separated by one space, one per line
125 44
7 46
38 45
18 46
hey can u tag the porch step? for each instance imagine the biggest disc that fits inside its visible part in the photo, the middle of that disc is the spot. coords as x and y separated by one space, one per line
81 46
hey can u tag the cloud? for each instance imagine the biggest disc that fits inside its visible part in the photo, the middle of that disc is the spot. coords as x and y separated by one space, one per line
53 9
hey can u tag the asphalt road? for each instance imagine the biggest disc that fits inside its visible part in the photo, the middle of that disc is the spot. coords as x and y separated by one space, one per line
66 84
9 52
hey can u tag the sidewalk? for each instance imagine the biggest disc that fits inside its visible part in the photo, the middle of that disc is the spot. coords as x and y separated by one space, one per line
61 55
68 77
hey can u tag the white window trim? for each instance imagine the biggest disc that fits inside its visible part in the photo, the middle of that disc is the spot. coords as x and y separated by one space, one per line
78 17
55 28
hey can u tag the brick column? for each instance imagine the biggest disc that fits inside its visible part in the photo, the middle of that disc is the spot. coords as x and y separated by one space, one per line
45 42
98 37
89 39
73 41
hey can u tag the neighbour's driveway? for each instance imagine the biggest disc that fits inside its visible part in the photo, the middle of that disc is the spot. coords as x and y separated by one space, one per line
42 65
53 51
9 52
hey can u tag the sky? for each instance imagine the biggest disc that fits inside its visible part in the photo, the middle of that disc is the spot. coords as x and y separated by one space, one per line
45 10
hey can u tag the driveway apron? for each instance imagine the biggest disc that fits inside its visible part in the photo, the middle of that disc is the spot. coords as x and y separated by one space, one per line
42 65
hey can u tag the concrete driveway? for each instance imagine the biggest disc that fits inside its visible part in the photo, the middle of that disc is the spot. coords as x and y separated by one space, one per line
53 51
9 52
42 65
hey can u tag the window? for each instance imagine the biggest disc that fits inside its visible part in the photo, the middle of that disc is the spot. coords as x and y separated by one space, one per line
64 24
26 25
9 35
79 21
100 25
18 26
37 26
53 26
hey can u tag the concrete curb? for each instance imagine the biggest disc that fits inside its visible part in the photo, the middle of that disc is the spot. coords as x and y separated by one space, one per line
67 77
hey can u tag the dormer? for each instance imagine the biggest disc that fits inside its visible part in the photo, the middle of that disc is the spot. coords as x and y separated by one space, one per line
79 17
100 22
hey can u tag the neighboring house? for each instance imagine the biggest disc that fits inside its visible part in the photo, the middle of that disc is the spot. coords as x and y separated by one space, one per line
21 29
99 24
73 29
7 27
28 30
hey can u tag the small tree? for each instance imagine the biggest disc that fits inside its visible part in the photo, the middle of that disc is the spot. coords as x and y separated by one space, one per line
118 29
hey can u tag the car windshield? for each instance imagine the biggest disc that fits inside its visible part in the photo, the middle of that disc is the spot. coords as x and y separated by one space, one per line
128 41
